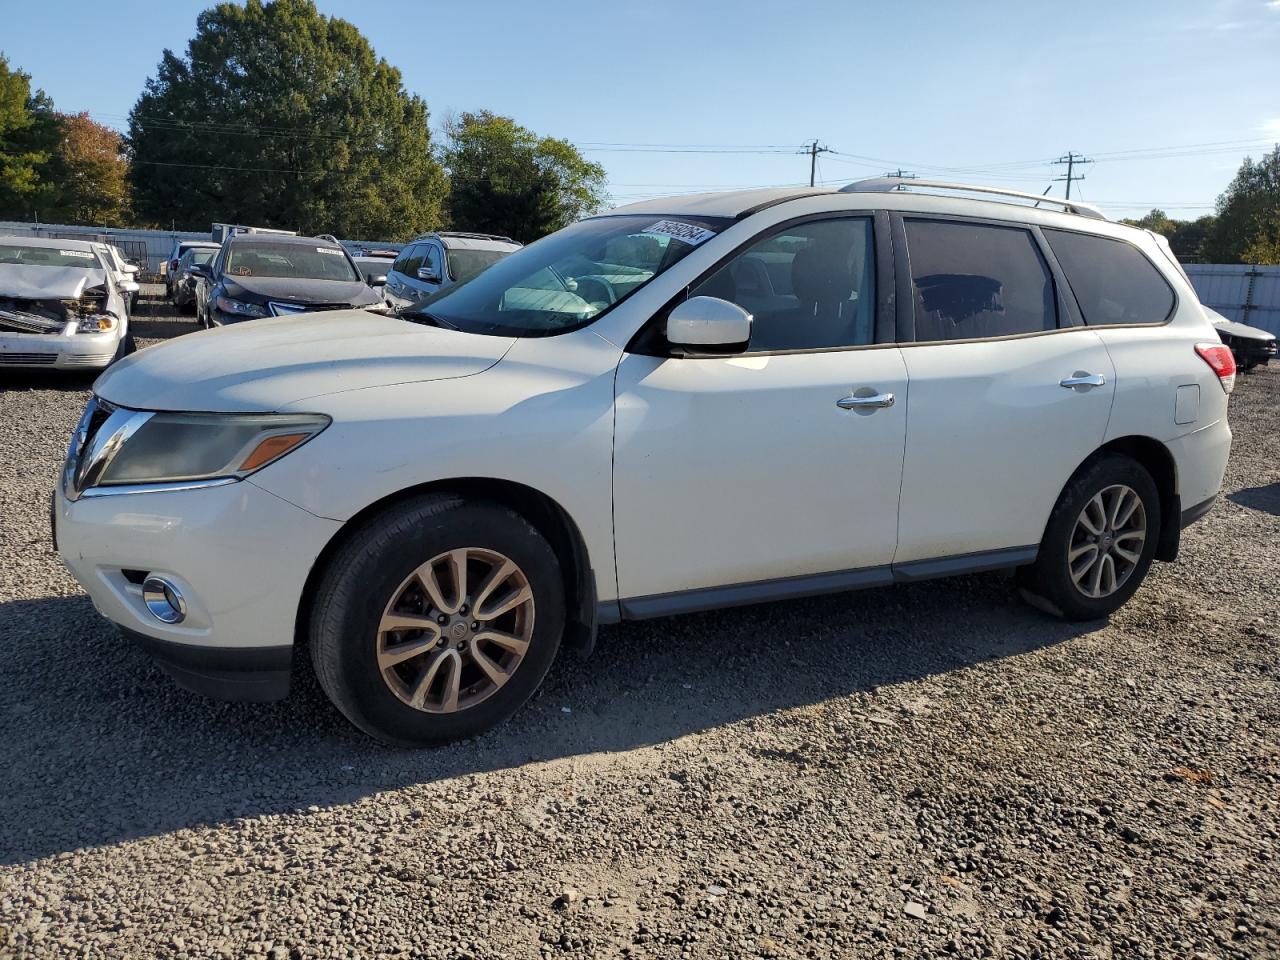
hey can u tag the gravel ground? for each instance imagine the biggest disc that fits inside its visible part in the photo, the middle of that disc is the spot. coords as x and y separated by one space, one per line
926 770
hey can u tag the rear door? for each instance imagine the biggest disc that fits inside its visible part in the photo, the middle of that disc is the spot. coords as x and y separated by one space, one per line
1009 391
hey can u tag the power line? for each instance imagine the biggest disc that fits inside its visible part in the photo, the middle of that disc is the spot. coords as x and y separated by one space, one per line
813 150
1071 159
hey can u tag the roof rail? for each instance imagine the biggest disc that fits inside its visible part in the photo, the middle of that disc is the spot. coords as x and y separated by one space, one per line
886 184
472 235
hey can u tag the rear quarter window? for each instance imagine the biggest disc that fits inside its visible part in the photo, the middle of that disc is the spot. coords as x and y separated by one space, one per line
1112 280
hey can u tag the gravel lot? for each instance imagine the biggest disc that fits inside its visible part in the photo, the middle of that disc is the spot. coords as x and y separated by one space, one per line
926 770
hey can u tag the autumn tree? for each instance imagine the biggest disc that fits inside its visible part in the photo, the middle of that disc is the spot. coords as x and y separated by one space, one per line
280 116
89 173
506 179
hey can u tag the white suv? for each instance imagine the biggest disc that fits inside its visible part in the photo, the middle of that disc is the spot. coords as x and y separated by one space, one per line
680 405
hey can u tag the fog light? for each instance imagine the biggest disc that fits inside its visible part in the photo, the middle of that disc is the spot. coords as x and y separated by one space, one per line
164 601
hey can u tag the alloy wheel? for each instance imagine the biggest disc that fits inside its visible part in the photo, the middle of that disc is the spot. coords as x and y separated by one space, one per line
1107 541
455 630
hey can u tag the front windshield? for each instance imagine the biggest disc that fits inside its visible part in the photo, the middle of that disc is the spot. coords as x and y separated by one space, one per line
48 257
568 279
294 261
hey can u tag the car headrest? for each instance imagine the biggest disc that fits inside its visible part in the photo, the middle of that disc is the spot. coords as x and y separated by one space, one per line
821 273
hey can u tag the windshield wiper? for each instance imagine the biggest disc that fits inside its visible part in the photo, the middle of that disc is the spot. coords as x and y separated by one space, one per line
430 319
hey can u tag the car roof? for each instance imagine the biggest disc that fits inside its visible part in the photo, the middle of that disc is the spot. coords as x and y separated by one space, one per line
905 195
281 238
198 243
53 243
733 203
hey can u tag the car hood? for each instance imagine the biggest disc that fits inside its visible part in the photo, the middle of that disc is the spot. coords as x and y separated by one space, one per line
265 365
299 291
29 282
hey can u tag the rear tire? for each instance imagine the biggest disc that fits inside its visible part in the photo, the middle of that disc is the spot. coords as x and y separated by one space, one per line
402 567
1099 542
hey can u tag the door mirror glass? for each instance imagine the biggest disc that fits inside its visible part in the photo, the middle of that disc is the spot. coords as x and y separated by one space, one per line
708 326
198 270
428 275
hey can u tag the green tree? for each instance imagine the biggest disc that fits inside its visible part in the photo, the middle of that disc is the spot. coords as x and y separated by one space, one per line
28 138
1247 229
279 116
506 179
1186 237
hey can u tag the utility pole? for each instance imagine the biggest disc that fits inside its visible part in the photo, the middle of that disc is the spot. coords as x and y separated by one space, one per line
1071 159
813 150
900 174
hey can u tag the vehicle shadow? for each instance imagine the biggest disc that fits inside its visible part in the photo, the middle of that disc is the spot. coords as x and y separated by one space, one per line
99 746
1266 499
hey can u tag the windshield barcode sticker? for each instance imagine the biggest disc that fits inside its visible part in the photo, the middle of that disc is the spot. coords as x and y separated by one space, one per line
336 253
75 253
685 232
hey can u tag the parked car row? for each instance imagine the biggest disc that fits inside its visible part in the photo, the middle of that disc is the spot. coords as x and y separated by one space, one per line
64 304
254 275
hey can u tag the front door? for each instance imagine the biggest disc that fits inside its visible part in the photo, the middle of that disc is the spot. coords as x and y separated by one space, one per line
774 472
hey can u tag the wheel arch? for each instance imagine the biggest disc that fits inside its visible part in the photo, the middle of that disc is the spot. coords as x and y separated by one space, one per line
1158 461
548 516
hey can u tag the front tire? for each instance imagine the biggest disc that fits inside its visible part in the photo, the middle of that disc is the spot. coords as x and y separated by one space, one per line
438 619
1099 542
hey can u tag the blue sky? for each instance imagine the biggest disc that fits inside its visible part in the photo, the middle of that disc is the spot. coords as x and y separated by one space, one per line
1168 97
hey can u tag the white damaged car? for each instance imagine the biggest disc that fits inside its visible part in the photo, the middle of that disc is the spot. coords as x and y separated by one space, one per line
60 306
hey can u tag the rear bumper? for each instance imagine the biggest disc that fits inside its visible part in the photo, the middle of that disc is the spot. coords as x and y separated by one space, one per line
252 674
1197 511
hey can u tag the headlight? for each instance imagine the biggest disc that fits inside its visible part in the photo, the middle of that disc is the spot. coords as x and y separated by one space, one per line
240 308
96 323
174 447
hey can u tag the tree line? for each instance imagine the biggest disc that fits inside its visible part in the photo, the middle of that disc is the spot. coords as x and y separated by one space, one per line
1245 228
280 116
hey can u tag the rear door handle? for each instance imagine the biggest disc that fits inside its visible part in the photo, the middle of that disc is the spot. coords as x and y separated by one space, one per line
863 403
1083 380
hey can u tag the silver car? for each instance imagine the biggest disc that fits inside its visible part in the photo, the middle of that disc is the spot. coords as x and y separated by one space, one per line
434 261
61 306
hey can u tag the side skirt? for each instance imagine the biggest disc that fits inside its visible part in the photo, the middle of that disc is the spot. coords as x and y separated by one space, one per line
790 588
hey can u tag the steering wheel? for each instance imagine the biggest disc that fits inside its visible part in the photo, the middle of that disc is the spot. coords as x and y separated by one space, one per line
596 290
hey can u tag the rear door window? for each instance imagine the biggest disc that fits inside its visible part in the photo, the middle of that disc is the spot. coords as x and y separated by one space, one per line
1111 279
976 280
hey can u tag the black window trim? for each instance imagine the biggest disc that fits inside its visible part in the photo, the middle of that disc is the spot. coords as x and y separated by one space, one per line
650 340
1068 313
1173 291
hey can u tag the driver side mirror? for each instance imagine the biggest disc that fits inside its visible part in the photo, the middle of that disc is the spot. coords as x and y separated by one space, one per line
708 327
428 275
199 270
378 280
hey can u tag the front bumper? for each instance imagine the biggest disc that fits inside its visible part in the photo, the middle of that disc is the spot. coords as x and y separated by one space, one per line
240 557
77 351
252 674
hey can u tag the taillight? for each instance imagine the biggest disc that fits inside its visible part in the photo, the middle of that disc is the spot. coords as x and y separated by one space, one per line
1218 356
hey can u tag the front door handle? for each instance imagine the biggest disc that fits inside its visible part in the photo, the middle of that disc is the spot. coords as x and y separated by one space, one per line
1080 379
863 403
